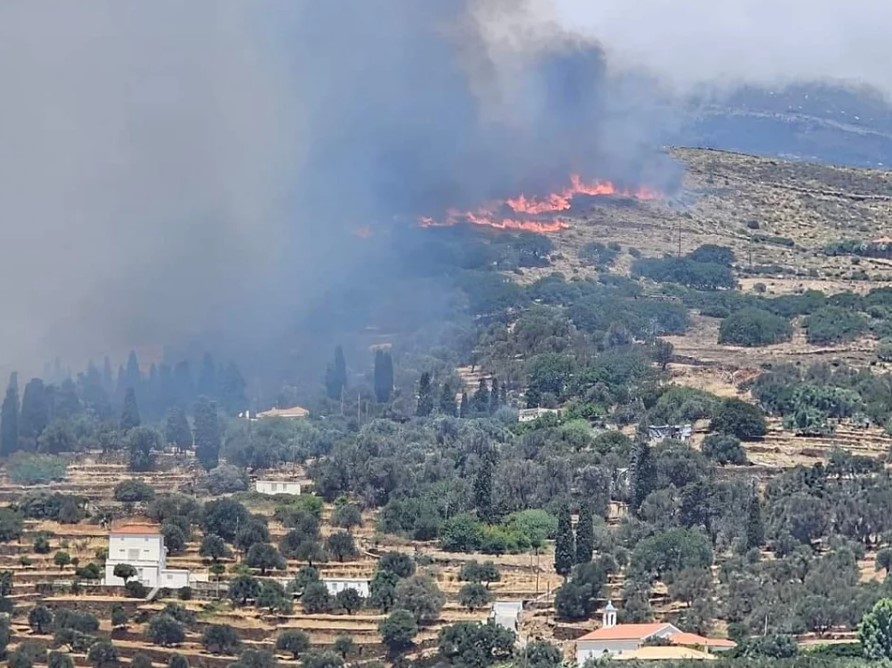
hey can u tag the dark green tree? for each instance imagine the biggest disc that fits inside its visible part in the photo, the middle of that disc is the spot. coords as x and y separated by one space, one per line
142 444
420 595
382 590
40 619
383 376
213 547
644 475
130 413
475 645
178 661
744 420
242 588
755 528
425 396
341 546
585 535
494 396
57 659
294 642
177 431
875 631
464 406
208 434
474 596
9 418
95 397
483 488
264 556
221 639
564 546
336 375
398 630
232 390
397 563
348 600
65 402
164 630
207 377
447 400
480 400
35 413
315 598
103 655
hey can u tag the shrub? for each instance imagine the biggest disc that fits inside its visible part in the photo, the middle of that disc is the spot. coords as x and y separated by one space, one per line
133 491
164 630
294 642
226 479
754 327
220 639
724 449
398 630
713 254
135 589
833 324
737 417
33 469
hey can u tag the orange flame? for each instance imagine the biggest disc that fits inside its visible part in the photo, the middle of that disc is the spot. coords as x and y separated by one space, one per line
531 206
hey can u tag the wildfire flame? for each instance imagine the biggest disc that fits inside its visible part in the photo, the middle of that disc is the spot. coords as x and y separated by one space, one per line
531 206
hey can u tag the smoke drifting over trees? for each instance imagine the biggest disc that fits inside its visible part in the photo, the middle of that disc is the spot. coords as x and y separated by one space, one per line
178 171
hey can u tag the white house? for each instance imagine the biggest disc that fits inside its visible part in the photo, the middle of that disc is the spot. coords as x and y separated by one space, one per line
334 585
277 487
623 639
530 414
506 614
142 546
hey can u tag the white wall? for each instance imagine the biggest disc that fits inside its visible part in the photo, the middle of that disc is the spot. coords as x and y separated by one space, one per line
277 487
146 574
174 578
594 649
334 585
134 549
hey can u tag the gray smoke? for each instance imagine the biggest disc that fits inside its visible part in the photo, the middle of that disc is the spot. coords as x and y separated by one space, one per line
172 172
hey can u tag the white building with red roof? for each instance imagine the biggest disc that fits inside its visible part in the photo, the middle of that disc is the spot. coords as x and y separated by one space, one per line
142 546
619 639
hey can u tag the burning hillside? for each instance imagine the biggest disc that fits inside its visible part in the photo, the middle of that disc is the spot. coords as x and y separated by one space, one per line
537 214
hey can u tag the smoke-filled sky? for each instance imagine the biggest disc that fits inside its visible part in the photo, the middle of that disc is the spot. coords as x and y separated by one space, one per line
171 169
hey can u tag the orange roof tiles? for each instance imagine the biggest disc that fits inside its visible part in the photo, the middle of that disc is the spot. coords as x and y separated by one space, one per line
692 639
625 632
137 529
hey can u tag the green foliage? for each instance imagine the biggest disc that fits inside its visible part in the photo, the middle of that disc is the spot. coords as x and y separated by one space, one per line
164 630
130 413
461 533
35 469
473 571
265 557
243 588
57 659
226 479
686 271
420 595
348 600
103 655
40 619
341 546
223 517
142 444
294 642
273 597
754 327
398 630
9 418
564 547
585 535
346 516
208 433
473 596
833 324
739 418
398 563
133 491
220 639
213 547
723 449
713 254
316 598
474 645
875 631
643 474
383 376
597 254
177 431
671 551
178 661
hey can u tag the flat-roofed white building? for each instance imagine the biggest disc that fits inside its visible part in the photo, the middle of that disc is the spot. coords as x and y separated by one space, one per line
506 613
335 585
142 546
277 487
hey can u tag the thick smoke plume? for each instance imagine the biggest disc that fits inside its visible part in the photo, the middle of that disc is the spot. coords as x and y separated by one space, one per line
173 172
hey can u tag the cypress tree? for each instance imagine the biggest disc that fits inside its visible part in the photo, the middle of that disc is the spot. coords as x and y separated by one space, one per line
35 414
383 376
755 529
463 406
108 379
177 431
182 384
207 377
232 390
585 535
425 396
447 400
644 475
481 399
494 396
483 488
9 417
207 433
564 547
336 375
130 412
95 398
65 402
132 375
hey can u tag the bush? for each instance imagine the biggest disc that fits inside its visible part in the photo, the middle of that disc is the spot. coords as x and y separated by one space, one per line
133 491
713 254
226 479
398 630
724 449
693 274
164 630
754 327
220 639
833 324
473 596
294 642
737 417
135 589
32 469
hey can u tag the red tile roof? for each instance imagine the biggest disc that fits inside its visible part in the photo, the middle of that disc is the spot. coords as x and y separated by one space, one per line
137 529
625 632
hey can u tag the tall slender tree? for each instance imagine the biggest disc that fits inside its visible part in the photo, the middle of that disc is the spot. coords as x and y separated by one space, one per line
494 396
35 415
464 408
65 403
130 412
425 396
564 545
480 400
483 487
132 374
383 376
108 377
95 398
644 475
447 400
585 535
177 431
755 528
9 417
336 375
207 377
208 434
232 390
